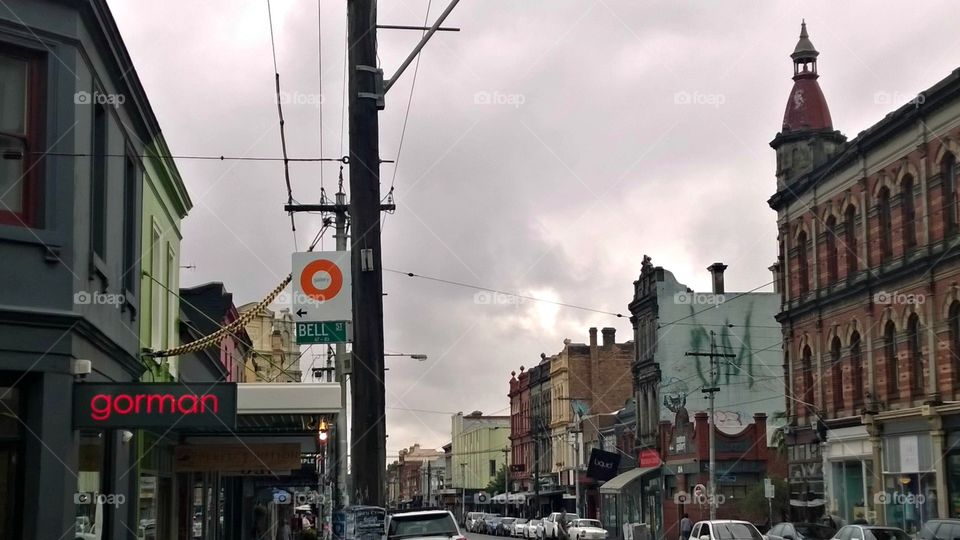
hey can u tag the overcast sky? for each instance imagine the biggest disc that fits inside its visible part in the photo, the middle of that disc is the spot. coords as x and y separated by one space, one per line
550 145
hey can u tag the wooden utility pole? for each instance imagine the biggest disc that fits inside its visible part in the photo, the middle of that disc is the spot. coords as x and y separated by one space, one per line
368 436
712 390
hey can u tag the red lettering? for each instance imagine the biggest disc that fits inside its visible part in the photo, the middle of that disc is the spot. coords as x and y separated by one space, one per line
159 400
214 402
129 404
103 406
100 407
191 400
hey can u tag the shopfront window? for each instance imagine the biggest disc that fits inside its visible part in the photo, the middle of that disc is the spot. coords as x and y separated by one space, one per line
89 498
9 453
849 491
953 484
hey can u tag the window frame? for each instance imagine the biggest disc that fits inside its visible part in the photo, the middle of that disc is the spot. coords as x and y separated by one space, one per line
948 183
31 213
892 360
830 242
803 263
850 237
856 368
885 225
908 212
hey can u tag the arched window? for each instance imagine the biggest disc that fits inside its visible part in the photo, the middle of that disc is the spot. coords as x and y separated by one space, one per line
886 231
856 369
909 213
850 238
915 348
831 245
836 375
954 322
803 263
807 376
948 179
893 363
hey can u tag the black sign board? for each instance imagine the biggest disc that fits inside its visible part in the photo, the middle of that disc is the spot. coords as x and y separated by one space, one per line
141 405
603 465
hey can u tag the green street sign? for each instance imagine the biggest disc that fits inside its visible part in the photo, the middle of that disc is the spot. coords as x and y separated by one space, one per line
317 332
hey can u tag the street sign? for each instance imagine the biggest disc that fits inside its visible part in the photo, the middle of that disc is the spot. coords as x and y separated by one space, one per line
316 332
768 489
321 286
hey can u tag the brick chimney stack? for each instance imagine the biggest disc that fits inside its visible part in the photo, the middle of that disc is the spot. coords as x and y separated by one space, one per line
716 270
609 335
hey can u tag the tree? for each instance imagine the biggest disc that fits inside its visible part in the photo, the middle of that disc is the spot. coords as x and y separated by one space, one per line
753 506
499 482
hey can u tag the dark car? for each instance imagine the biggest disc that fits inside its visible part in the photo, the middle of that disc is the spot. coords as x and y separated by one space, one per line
490 524
940 529
800 531
505 527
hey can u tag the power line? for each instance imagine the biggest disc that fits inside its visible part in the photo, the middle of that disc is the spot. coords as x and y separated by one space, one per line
320 77
200 157
695 313
413 85
283 136
497 291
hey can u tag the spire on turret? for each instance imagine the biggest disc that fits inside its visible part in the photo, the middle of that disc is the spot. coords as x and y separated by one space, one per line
806 108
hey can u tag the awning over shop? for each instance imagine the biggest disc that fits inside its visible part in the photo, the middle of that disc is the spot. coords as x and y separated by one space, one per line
621 481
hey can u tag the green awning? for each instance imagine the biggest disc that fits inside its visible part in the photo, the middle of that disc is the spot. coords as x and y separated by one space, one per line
619 482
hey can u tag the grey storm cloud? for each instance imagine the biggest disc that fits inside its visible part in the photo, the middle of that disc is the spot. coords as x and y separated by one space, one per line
550 144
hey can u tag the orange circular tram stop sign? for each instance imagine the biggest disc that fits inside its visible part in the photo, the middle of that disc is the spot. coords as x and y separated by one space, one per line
331 290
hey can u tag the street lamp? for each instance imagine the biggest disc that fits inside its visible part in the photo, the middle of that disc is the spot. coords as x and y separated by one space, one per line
417 357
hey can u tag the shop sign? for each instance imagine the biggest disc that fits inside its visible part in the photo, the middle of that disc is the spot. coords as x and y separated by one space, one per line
237 457
603 465
166 405
649 458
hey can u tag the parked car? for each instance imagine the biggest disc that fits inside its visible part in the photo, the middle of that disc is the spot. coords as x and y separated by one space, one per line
725 529
472 519
531 530
586 529
801 531
870 532
432 524
520 526
490 524
940 529
550 524
505 527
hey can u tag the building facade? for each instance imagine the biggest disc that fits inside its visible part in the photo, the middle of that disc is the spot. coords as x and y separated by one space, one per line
75 195
275 355
521 435
870 304
671 320
480 446
209 307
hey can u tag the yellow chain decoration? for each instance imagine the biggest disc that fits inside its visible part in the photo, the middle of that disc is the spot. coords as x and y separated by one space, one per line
214 338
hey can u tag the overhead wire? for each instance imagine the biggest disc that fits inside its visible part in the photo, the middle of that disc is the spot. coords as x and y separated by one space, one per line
498 291
283 136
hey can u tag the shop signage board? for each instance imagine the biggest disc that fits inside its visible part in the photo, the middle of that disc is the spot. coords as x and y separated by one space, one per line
237 457
322 294
359 523
142 405
603 465
649 458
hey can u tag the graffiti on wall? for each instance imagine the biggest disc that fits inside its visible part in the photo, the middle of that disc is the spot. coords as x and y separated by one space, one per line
739 367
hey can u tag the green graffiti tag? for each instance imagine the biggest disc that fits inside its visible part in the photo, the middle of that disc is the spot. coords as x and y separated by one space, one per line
729 368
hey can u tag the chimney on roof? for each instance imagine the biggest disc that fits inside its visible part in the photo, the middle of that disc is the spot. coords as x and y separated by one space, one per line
593 338
716 270
609 337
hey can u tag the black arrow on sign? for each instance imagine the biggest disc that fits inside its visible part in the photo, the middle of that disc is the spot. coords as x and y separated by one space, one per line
301 312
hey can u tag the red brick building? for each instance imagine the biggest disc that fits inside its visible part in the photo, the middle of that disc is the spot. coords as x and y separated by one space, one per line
521 436
868 273
743 461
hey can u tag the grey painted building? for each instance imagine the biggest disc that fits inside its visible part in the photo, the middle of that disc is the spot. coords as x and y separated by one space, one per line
73 121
